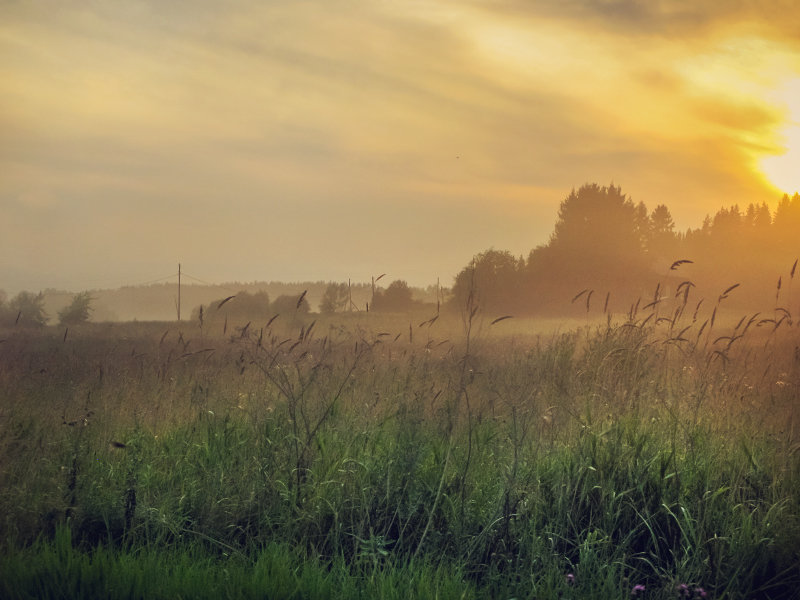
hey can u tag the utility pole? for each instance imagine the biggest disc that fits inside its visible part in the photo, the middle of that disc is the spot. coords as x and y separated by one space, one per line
179 291
374 279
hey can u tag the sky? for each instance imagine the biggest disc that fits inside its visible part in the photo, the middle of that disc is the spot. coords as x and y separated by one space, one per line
342 139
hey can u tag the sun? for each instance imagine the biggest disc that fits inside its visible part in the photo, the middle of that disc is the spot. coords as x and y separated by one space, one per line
783 170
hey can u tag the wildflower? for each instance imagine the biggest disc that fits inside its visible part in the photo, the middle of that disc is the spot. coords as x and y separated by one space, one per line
700 592
571 578
637 589
683 590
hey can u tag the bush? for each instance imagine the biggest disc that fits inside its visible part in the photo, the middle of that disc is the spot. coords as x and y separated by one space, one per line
25 310
396 298
78 311
336 298
287 304
238 308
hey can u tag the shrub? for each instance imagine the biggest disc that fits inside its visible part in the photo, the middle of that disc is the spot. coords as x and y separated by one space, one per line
78 311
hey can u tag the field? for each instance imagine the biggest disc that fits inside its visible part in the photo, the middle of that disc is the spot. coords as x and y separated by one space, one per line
366 456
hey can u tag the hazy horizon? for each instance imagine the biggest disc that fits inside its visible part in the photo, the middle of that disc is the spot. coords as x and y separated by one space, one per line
323 141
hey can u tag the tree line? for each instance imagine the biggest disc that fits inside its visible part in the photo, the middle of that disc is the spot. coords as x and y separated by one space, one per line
27 310
397 297
617 251
604 247
245 306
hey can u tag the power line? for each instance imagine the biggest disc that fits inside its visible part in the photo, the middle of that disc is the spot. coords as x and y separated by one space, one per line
197 279
160 279
107 282
217 285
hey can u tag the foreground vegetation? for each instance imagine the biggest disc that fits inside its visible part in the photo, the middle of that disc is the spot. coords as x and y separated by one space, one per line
654 456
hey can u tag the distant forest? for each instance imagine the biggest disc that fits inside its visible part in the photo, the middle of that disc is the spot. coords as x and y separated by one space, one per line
605 255
612 253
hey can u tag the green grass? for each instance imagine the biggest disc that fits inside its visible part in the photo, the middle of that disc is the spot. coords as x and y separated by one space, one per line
382 460
57 569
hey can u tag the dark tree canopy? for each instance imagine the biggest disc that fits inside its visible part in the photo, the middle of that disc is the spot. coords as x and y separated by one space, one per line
24 310
494 279
395 298
243 306
598 227
619 252
599 242
78 310
335 298
662 241
291 304
787 219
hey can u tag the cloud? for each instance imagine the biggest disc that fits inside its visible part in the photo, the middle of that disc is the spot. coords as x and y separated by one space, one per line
675 18
358 121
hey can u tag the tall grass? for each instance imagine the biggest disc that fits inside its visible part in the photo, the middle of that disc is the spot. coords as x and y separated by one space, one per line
378 459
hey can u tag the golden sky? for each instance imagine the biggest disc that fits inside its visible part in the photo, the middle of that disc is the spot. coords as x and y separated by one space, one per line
335 139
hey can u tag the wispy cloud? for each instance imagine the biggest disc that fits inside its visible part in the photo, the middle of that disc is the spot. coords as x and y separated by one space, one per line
340 125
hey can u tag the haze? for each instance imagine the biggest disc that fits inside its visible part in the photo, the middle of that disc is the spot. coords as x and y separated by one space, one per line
333 140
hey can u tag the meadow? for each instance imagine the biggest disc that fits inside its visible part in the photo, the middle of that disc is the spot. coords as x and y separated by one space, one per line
653 455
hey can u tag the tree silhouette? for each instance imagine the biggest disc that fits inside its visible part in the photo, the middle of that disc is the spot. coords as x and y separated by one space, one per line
395 298
786 221
494 278
611 248
663 242
598 222
78 310
25 310
243 306
334 299
598 242
291 304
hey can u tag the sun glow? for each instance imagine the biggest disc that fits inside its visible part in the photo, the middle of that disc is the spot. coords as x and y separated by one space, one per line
783 170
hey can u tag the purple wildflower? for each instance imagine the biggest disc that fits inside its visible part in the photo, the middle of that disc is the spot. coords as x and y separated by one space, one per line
683 590
637 589
571 578
700 592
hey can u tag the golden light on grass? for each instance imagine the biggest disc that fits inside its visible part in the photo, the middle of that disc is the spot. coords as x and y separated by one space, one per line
783 170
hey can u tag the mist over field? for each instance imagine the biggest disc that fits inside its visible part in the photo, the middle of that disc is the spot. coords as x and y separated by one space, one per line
597 419
609 252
